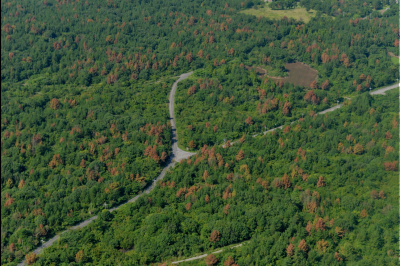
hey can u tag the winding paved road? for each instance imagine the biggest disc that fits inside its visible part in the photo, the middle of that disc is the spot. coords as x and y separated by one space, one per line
176 156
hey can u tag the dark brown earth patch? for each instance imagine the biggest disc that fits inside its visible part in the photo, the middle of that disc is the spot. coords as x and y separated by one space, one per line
299 74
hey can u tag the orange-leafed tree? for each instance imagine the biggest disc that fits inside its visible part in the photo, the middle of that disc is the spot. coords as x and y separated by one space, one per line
54 104
309 227
325 85
320 225
207 199
215 236
200 53
363 214
321 182
240 155
303 246
205 175
12 247
189 57
226 209
164 156
249 121
313 85
211 260
30 258
215 129
286 181
191 90
192 144
286 108
290 250
21 184
79 257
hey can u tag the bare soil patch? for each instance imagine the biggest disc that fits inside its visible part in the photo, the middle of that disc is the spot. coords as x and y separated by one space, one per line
299 74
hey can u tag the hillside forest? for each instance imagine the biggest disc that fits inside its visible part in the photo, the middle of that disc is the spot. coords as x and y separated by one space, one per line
85 127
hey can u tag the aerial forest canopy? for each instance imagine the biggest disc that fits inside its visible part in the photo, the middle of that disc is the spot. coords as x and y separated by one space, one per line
85 127
322 191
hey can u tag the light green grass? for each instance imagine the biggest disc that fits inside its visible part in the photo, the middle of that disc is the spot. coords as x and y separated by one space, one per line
395 60
299 13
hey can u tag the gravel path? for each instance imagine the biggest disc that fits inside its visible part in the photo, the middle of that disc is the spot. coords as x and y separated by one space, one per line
176 156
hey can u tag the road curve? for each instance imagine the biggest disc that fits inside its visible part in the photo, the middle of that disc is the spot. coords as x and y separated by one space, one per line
176 156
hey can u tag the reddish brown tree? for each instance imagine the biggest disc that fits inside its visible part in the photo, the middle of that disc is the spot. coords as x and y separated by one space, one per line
382 194
207 199
230 262
79 256
189 57
320 225
30 258
303 246
226 209
215 128
321 181
358 149
363 214
205 175
313 85
286 181
391 166
240 155
12 247
164 156
338 257
325 85
54 104
188 206
290 250
192 144
191 90
374 194
309 227
21 184
211 260
249 121
286 108
200 54
215 236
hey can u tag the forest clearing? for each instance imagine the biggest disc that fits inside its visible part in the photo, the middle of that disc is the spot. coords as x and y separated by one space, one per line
299 74
299 13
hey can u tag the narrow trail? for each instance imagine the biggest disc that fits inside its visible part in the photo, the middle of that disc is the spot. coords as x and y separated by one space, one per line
176 156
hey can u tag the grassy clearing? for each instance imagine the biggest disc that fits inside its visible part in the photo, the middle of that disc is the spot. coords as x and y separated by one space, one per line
395 60
299 13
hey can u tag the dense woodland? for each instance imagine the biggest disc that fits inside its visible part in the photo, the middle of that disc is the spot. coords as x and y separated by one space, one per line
84 104
322 191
